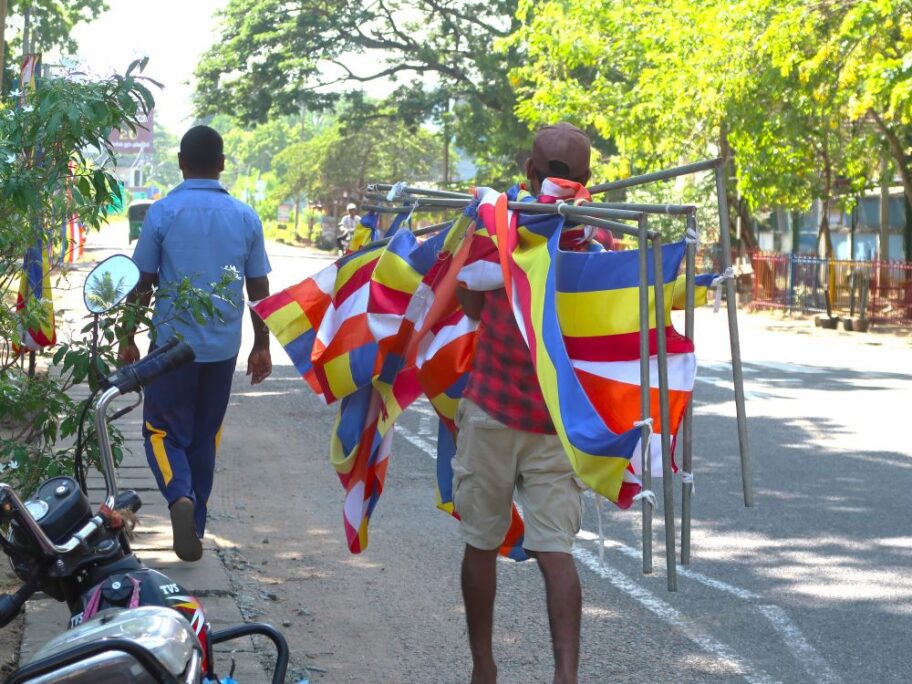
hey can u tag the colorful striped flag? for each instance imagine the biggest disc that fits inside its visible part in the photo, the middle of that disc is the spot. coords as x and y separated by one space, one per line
294 315
364 233
702 283
35 301
579 314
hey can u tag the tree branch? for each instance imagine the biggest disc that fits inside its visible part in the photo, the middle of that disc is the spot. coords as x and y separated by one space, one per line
898 154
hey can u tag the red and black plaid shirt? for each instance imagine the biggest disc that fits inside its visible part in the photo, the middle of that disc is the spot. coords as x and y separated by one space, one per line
503 382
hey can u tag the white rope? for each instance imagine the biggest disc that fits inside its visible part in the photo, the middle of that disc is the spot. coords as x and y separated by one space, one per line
395 191
560 206
649 496
717 282
648 452
691 236
408 219
688 478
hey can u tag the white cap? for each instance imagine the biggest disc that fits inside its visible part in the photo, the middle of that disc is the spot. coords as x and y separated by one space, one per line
350 207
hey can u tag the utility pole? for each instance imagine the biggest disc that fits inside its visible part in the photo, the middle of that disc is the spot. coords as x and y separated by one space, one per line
25 29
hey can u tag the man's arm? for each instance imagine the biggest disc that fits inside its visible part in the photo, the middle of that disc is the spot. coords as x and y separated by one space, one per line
259 363
142 295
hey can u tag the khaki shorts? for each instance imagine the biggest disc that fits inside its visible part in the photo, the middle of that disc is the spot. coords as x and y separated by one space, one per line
491 461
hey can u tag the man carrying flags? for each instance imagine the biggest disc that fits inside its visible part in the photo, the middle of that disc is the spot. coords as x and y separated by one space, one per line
506 442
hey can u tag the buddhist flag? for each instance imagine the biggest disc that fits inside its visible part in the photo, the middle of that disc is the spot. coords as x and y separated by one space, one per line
35 301
579 314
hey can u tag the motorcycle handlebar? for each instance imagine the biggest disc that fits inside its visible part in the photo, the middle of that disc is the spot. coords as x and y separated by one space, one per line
172 354
169 356
11 604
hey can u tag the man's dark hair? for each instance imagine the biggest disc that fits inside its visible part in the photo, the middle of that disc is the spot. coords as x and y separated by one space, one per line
202 150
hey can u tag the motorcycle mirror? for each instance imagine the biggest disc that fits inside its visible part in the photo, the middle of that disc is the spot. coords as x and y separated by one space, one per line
109 283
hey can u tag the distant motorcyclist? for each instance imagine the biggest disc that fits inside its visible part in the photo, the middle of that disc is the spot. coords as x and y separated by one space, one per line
347 227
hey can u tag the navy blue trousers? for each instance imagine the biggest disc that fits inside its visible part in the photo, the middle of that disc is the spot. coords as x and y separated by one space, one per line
182 424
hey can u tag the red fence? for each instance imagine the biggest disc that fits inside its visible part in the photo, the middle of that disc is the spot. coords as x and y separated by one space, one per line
803 283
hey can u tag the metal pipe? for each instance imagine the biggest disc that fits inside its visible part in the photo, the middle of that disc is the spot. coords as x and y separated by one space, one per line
609 224
526 207
567 209
417 233
645 410
687 427
664 416
410 190
674 209
401 210
104 445
666 174
737 376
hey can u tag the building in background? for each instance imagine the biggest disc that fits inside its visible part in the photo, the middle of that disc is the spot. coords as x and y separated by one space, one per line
134 151
855 234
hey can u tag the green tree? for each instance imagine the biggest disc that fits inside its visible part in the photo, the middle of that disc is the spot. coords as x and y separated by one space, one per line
45 179
274 57
163 171
340 160
763 80
51 22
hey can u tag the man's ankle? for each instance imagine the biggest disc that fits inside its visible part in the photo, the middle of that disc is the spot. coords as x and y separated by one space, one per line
484 673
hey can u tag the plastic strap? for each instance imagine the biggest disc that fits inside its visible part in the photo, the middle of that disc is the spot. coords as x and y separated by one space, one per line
688 478
395 191
729 274
134 597
649 496
92 606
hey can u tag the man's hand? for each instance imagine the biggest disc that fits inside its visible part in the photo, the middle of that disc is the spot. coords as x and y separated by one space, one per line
128 353
259 365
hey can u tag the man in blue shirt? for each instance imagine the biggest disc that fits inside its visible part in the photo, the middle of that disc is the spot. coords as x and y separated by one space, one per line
202 233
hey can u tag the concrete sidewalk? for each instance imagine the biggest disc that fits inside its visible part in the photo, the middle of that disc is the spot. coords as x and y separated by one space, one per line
206 579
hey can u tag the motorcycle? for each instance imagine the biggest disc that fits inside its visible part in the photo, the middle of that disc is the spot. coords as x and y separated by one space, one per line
128 623
343 241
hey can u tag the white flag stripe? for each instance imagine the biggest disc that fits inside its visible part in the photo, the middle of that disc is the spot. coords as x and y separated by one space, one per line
682 369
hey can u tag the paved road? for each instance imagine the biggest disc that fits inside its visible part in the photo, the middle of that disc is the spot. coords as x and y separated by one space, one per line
811 585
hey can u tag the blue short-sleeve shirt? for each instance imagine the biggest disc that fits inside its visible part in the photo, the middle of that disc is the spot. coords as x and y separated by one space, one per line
200 232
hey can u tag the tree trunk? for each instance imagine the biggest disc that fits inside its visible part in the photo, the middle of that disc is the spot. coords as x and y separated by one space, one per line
796 232
747 236
885 177
898 154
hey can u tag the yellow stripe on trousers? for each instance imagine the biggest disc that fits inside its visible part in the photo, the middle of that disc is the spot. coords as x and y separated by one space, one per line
157 439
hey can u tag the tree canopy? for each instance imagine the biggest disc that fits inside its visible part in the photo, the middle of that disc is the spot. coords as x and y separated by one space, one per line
279 56
790 85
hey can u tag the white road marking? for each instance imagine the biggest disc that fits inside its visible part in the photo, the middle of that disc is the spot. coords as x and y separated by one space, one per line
420 442
672 616
812 662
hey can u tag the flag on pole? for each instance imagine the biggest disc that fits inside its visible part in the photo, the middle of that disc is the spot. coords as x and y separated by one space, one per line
35 301
579 313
